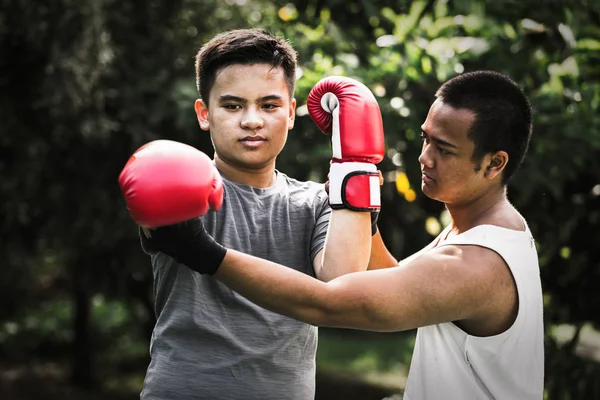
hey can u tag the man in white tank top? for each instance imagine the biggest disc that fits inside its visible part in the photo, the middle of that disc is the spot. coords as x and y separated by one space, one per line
474 293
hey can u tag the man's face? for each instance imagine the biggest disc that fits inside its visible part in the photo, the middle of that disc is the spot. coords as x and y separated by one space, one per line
249 115
448 173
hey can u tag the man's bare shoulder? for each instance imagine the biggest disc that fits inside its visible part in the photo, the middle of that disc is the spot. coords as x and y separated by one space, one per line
478 267
466 255
486 280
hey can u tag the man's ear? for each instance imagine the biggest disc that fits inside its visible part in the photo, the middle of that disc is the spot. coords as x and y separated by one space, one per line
202 114
497 163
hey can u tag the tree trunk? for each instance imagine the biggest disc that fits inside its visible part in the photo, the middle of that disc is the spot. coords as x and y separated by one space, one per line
81 361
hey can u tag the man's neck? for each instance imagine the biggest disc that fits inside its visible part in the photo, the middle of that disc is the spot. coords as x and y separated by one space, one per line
258 178
491 208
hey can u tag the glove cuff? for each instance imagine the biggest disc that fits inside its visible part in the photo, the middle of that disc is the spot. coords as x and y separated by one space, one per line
355 186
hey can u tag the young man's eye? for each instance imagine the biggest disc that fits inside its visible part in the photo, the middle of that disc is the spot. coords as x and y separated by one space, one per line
442 151
231 106
424 137
270 106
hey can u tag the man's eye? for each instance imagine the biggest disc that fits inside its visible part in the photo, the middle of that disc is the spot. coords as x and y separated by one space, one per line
231 106
442 151
270 106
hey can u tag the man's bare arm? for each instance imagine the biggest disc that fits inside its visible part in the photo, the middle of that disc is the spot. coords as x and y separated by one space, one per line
451 283
380 255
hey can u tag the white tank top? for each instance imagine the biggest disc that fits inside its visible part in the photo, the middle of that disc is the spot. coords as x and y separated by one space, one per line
448 363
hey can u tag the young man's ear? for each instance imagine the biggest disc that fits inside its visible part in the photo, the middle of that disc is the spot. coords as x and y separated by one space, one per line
497 163
202 114
292 114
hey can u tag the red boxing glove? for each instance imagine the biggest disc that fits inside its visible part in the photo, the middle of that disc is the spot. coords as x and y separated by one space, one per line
166 182
348 111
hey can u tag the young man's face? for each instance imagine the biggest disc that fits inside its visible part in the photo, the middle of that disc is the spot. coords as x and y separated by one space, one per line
249 115
448 173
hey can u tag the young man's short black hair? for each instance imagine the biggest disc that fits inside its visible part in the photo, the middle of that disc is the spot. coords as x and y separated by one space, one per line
245 47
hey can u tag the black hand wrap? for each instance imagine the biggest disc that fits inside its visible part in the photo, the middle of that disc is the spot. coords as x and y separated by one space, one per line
374 218
188 243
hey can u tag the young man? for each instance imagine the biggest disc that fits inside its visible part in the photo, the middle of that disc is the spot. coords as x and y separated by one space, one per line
209 342
474 293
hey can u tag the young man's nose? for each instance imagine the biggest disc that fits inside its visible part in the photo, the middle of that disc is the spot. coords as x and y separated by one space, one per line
251 120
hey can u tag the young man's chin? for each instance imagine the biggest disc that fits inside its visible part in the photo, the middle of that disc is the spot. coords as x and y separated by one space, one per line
256 164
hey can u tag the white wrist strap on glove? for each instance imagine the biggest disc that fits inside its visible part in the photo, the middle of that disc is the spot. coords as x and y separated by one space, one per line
354 185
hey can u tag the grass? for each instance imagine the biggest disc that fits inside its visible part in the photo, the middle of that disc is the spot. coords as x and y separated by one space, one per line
377 358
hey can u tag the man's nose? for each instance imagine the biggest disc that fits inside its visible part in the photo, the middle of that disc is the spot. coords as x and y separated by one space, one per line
425 158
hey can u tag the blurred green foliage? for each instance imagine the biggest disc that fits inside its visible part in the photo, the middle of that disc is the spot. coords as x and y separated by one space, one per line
83 84
381 357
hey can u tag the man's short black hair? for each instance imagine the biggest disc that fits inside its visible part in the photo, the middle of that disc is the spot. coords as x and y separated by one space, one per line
503 118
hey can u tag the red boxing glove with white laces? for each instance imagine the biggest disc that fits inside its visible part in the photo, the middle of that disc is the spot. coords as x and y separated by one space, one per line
166 182
348 111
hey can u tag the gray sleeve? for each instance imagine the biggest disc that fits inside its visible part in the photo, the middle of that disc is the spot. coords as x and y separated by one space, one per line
322 223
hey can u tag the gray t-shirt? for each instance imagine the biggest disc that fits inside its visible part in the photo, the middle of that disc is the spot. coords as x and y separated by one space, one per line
211 343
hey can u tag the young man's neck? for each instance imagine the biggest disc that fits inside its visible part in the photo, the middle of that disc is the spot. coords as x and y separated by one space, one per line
491 208
258 178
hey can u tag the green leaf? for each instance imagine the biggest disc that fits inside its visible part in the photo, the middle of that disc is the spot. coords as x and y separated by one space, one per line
588 44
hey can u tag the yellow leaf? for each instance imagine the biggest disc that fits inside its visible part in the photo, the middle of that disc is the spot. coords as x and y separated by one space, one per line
433 226
402 183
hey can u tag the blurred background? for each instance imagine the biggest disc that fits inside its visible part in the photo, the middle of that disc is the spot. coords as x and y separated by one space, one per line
84 83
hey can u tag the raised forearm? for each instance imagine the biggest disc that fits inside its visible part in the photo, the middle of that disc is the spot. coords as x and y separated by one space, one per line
347 246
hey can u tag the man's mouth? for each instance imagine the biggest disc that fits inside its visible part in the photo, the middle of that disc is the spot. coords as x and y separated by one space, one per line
426 178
